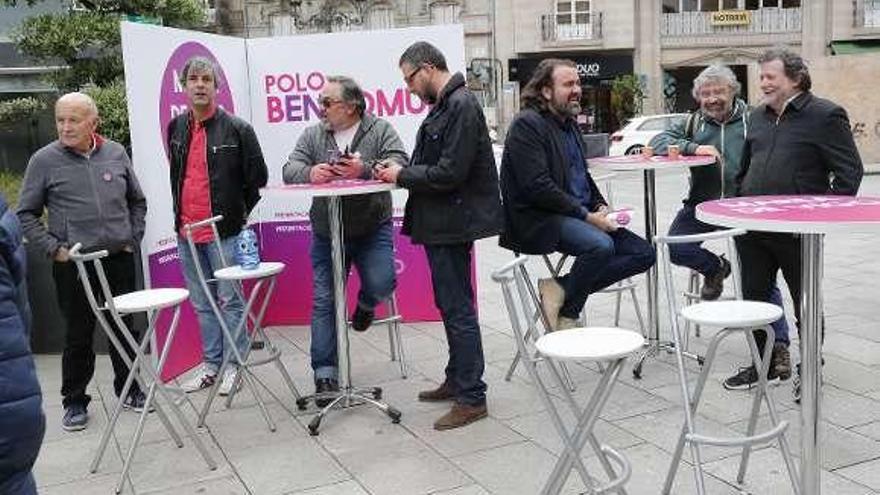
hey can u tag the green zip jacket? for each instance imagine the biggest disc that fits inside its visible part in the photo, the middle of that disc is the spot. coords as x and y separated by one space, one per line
727 137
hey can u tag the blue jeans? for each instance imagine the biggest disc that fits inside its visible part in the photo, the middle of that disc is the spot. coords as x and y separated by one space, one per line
373 256
454 296
601 259
694 256
214 344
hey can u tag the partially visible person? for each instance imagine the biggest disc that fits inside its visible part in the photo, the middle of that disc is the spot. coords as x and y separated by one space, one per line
22 423
345 145
453 201
216 168
552 204
717 129
797 143
88 188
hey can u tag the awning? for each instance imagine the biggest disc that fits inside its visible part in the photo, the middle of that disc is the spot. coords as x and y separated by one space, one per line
854 47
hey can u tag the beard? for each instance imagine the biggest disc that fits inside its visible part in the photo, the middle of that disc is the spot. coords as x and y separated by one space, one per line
718 112
567 108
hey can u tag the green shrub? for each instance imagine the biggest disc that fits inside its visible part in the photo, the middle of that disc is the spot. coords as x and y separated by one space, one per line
10 185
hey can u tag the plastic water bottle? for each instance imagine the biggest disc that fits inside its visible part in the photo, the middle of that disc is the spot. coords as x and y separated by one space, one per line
247 253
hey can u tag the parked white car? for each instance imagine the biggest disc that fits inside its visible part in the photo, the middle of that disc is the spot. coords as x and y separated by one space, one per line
638 132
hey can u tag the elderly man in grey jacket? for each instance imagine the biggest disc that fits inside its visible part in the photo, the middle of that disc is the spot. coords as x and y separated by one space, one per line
346 145
88 187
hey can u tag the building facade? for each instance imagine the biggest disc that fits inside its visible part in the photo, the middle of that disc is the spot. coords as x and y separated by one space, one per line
670 41
665 43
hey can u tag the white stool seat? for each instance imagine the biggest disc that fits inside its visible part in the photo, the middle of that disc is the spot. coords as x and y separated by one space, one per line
590 344
264 269
150 299
732 314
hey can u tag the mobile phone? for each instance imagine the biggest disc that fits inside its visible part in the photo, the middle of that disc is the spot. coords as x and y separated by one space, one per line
333 156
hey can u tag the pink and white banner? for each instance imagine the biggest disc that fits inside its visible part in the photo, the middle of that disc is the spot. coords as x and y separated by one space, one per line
274 83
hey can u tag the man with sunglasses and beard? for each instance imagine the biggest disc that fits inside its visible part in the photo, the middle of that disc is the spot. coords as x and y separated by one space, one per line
453 201
345 145
552 204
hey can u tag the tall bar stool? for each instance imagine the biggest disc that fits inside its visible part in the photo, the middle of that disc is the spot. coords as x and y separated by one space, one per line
692 294
145 371
609 346
263 278
730 317
532 305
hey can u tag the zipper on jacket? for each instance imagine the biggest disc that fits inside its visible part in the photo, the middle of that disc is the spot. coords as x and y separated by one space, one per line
91 175
222 147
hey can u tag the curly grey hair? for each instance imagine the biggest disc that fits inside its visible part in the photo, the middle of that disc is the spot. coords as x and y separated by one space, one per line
716 73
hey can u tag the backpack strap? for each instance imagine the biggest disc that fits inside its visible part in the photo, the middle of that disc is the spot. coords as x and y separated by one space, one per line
690 125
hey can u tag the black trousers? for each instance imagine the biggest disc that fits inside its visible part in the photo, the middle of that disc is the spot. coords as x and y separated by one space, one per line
762 255
78 360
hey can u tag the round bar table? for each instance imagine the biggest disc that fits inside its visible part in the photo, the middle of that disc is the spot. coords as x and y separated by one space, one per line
648 166
334 191
811 217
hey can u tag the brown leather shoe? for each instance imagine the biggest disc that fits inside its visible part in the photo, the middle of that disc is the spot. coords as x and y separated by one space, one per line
460 415
439 394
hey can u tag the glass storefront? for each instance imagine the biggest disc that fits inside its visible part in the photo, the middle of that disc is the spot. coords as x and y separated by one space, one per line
597 70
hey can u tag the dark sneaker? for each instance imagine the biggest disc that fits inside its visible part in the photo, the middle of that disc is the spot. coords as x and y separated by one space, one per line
323 385
713 285
135 402
747 378
796 383
461 415
439 394
780 362
76 417
362 318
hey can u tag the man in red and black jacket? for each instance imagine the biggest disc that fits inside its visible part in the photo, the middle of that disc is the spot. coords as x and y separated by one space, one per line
217 168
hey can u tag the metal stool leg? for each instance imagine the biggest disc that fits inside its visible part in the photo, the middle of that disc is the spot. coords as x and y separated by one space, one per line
140 367
394 341
763 392
584 429
531 368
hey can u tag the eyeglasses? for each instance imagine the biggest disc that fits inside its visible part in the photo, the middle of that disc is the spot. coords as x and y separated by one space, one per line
409 78
327 102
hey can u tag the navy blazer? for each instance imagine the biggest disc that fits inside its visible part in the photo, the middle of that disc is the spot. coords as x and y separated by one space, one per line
535 183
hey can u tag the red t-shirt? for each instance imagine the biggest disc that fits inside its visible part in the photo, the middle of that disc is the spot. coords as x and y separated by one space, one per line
195 197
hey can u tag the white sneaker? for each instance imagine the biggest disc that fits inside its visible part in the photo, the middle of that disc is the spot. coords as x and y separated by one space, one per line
228 379
205 378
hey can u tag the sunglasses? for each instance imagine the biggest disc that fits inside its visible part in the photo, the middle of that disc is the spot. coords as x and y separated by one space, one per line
327 102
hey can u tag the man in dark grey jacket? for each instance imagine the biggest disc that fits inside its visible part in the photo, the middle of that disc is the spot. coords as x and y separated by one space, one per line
797 143
453 201
88 186
345 145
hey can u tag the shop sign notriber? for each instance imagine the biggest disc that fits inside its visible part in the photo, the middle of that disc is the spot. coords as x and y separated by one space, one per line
731 18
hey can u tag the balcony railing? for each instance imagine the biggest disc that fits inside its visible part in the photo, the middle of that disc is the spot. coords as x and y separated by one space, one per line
552 30
762 21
